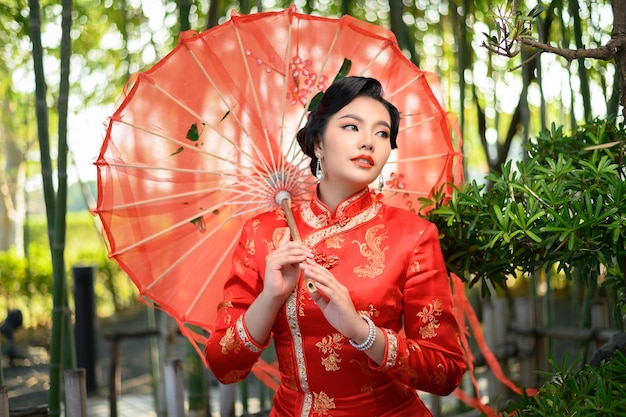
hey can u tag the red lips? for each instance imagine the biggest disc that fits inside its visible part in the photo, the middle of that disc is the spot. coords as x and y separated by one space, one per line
365 161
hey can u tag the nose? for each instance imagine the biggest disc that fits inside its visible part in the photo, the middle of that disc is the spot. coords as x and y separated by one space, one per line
367 145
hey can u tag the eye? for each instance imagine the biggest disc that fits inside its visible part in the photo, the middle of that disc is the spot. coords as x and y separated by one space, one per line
383 134
350 127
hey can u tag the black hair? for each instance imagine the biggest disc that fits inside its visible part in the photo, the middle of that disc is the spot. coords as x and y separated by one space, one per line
337 96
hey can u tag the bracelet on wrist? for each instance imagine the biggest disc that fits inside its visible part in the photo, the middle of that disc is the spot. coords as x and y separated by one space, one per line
371 336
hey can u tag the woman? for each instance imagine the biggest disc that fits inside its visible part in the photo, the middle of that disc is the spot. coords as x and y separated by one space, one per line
378 324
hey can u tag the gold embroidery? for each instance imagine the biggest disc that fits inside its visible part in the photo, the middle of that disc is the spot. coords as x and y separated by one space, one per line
330 345
280 215
255 225
439 376
250 248
229 342
335 242
276 237
294 327
243 336
371 311
415 266
302 293
429 316
372 251
235 376
240 265
322 403
326 232
224 306
392 356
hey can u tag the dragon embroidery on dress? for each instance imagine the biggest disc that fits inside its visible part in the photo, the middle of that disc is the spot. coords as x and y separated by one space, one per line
229 343
329 346
371 250
429 316
322 403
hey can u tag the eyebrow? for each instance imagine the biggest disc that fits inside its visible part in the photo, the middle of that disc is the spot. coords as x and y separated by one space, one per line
360 119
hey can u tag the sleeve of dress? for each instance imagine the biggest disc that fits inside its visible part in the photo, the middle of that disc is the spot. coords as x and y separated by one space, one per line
427 355
230 352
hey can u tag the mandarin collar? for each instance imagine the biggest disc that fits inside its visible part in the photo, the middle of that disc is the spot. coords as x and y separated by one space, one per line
346 209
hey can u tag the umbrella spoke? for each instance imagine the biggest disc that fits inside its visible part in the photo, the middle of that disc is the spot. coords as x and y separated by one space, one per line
419 158
225 257
251 83
191 250
421 122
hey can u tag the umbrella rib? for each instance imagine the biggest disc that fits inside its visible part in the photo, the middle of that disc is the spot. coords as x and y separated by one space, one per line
231 111
421 122
174 226
405 86
418 158
198 244
403 191
260 112
219 93
188 146
188 253
224 256
197 116
284 99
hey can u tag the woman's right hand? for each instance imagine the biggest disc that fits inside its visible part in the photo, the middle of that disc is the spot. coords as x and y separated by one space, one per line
282 267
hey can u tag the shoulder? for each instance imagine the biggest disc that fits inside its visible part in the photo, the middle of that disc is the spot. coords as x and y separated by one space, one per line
408 219
264 221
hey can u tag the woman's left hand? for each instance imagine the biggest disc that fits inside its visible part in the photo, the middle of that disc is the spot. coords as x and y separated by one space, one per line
333 299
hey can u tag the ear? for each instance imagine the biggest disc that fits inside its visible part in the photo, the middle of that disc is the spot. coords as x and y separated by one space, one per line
318 150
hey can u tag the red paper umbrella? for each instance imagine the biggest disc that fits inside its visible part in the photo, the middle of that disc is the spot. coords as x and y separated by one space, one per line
206 138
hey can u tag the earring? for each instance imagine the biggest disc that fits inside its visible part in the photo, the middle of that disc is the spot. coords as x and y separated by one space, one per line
381 182
319 171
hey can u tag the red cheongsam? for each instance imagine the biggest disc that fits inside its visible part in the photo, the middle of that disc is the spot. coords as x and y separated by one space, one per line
391 262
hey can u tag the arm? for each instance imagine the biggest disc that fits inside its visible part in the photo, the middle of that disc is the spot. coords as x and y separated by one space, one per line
251 303
428 356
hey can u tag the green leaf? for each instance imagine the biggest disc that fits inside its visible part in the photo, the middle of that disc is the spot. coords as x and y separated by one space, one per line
343 71
193 134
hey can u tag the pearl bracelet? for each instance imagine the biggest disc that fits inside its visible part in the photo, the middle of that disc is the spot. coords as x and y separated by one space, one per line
371 337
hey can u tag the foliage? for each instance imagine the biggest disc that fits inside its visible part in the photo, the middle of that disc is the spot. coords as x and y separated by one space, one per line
591 391
565 206
26 282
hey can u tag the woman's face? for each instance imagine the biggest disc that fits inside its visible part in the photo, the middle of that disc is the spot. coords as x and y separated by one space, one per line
356 144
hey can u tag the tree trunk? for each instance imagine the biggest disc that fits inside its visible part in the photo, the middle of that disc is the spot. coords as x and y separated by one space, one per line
619 31
12 197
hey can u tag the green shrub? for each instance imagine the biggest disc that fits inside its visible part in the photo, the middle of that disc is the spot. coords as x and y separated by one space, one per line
588 392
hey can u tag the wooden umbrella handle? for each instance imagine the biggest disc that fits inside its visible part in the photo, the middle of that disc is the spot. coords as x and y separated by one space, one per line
285 203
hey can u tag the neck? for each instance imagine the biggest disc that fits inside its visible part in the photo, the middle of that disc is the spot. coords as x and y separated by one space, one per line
332 195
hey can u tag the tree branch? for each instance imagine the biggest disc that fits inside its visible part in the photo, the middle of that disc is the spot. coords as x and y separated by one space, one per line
605 53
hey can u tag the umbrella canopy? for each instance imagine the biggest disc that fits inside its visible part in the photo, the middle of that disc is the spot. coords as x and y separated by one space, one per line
206 138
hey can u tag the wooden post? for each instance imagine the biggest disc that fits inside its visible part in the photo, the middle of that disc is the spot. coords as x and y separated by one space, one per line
4 400
115 377
524 326
495 320
76 393
174 388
